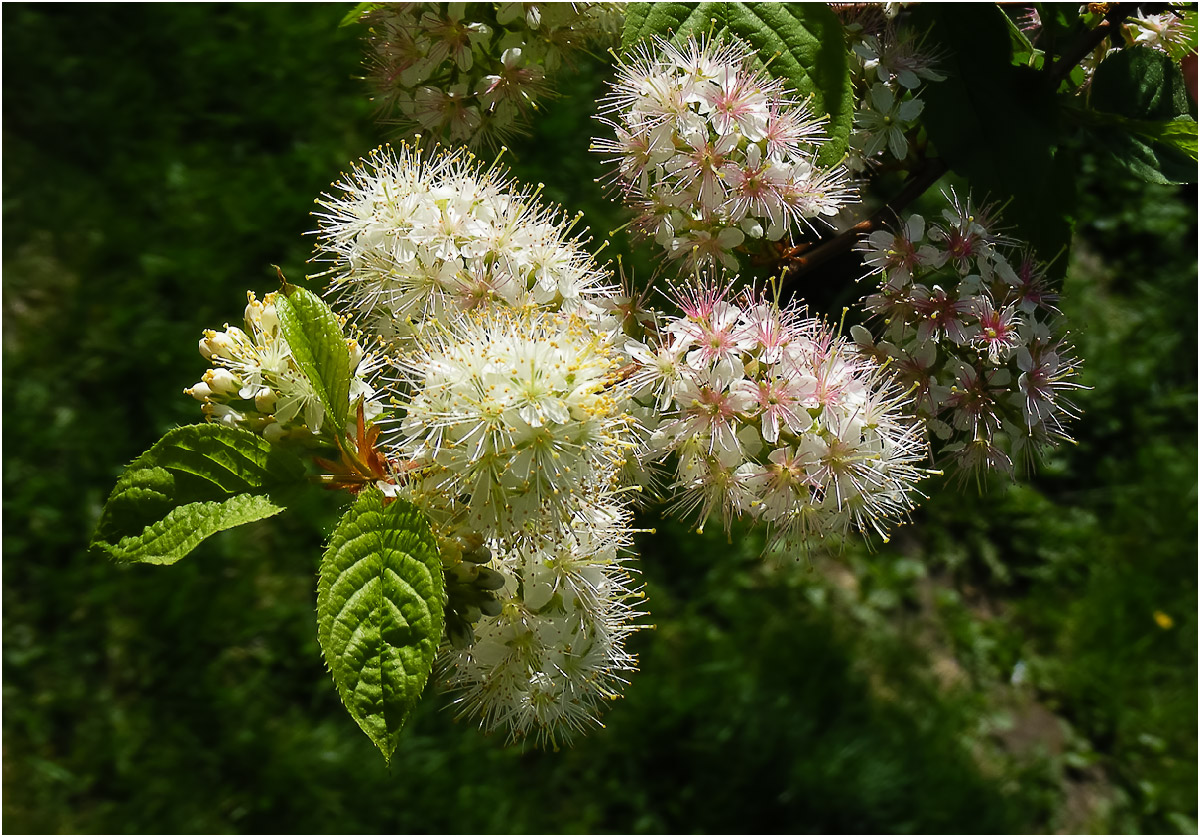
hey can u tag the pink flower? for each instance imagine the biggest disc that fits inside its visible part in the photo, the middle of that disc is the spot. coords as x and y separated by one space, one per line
737 100
997 332
1045 372
941 315
711 405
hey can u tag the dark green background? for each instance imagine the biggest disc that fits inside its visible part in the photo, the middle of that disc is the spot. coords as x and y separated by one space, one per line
158 160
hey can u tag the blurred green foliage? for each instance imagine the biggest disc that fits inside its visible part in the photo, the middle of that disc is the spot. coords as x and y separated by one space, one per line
1020 660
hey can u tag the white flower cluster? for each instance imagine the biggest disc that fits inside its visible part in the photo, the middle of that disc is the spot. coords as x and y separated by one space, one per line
711 151
256 383
471 73
514 428
969 321
415 239
555 652
774 417
518 414
889 66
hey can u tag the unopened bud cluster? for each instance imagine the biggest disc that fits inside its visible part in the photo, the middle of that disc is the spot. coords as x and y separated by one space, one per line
256 383
711 151
471 73
968 320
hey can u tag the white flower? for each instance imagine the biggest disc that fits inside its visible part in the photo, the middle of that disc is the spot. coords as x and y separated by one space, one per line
886 121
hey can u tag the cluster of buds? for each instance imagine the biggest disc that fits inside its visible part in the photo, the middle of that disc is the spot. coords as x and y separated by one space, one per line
772 416
471 73
256 383
888 65
415 239
711 151
969 321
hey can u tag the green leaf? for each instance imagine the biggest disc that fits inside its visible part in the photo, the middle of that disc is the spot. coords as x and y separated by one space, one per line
1141 115
196 481
1140 83
315 337
997 125
356 14
380 612
800 43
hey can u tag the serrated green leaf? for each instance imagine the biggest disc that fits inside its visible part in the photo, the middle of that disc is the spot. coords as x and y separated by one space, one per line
800 43
194 482
380 612
355 15
1140 113
319 347
997 124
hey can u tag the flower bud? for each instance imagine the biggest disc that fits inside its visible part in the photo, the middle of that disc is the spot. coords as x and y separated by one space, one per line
222 381
489 579
216 344
200 391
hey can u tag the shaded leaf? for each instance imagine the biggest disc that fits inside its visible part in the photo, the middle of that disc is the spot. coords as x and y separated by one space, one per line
1141 115
997 125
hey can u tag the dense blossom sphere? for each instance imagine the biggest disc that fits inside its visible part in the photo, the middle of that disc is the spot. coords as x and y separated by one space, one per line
519 412
544 665
773 416
712 151
416 238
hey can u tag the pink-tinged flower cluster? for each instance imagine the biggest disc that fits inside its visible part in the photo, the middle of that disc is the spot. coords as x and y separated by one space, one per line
473 73
770 415
711 151
969 322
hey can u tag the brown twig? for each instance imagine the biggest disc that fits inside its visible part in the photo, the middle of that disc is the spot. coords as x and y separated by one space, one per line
1058 70
796 262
